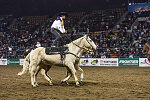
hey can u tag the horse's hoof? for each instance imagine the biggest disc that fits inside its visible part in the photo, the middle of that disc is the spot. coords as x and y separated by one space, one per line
34 86
51 84
64 82
77 85
67 83
81 83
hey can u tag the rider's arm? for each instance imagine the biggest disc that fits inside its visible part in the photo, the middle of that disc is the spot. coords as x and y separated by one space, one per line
60 27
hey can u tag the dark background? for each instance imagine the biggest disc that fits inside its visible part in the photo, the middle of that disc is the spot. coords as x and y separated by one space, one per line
51 7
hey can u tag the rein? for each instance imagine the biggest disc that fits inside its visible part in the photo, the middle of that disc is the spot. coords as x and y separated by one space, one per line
72 54
83 47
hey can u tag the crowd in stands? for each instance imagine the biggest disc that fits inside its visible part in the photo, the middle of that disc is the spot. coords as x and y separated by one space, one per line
18 34
124 44
120 44
101 20
132 16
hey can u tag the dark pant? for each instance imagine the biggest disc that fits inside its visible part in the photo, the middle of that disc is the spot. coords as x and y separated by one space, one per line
58 36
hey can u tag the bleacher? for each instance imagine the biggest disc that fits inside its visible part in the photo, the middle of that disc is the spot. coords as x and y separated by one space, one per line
27 30
29 23
73 19
101 20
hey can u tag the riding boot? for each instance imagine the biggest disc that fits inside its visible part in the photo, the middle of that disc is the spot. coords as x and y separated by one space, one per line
55 42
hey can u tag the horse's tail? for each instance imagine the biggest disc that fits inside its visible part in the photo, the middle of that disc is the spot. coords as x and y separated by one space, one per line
25 65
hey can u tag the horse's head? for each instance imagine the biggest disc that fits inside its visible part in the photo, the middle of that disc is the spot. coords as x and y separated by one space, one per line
89 45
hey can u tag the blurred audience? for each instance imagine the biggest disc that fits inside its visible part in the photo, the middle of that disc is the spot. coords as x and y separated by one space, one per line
22 33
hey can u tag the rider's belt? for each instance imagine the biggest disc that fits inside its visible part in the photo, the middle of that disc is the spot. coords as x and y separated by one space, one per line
54 29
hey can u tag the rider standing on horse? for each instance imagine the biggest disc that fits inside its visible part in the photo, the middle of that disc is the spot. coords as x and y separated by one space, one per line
58 29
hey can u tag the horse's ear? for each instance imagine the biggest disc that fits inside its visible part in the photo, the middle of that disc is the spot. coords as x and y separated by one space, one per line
85 36
89 35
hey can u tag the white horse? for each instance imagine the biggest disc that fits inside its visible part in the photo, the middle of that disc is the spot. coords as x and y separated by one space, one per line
39 60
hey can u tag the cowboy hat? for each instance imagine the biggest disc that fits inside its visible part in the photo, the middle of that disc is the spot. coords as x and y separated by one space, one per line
63 14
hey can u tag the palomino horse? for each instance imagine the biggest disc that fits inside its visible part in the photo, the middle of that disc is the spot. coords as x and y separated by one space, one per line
39 60
146 49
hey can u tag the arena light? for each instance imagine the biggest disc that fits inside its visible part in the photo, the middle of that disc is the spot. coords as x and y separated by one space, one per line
130 3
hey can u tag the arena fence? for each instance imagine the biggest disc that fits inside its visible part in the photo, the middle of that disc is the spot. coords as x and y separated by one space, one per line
118 62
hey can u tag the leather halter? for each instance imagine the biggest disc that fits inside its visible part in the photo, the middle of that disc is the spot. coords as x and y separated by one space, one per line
81 48
85 48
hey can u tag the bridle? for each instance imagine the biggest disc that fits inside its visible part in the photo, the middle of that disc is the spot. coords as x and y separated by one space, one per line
87 50
90 45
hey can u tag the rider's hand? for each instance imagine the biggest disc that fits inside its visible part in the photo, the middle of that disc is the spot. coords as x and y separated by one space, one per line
64 32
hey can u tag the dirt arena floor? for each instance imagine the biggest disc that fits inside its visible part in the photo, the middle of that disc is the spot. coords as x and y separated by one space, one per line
101 83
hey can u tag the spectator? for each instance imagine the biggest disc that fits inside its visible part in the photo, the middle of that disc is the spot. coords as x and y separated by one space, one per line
38 44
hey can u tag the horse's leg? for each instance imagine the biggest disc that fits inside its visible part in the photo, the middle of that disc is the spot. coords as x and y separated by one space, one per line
35 60
73 71
80 69
68 76
45 74
81 76
33 74
36 72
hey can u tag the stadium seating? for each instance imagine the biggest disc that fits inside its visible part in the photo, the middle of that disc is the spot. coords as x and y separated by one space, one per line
101 20
18 34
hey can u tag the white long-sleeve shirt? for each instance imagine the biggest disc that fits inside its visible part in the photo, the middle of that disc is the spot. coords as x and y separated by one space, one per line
57 24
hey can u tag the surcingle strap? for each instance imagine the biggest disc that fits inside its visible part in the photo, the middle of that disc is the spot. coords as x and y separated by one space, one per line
73 54
55 50
59 50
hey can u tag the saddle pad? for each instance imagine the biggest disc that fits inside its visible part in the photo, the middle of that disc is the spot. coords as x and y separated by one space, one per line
55 50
